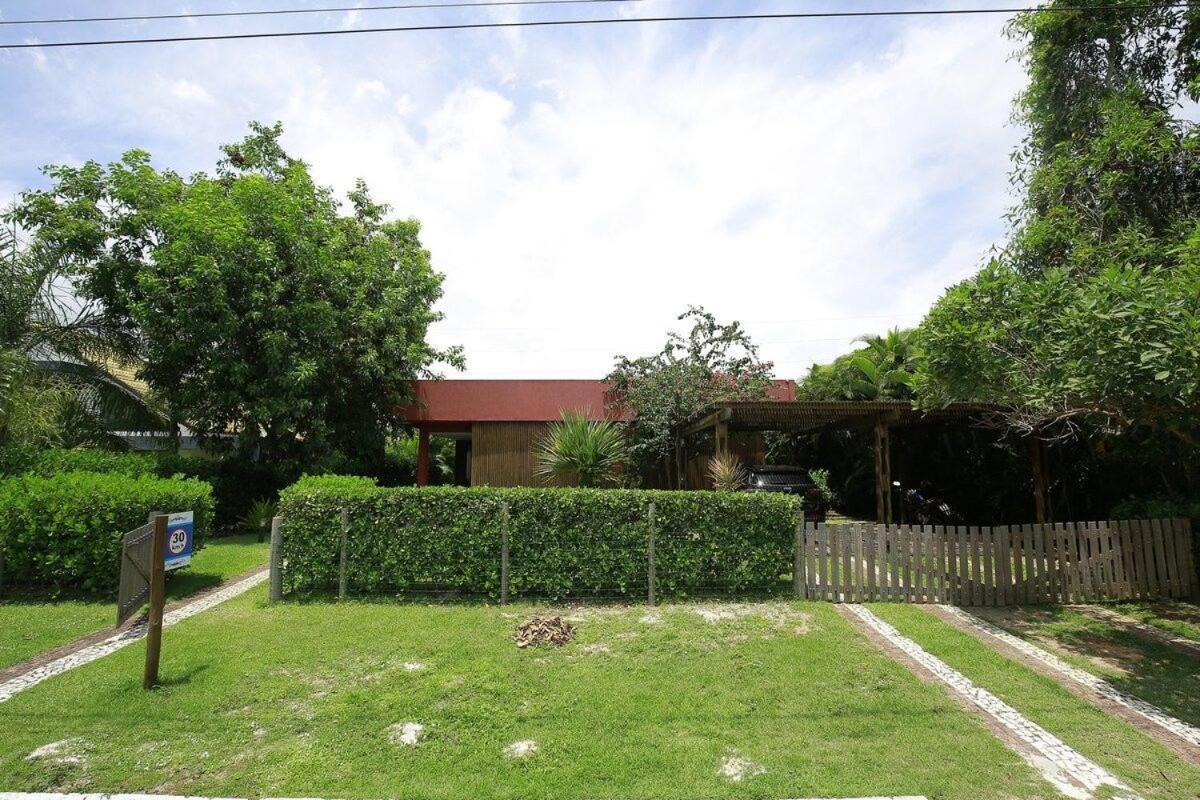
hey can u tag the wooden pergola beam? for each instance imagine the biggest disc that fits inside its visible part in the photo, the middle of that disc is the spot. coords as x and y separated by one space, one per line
883 471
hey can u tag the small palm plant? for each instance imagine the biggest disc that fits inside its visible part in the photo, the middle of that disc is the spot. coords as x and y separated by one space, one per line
580 450
258 518
727 473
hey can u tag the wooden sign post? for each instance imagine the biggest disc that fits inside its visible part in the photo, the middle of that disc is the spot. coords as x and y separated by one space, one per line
158 594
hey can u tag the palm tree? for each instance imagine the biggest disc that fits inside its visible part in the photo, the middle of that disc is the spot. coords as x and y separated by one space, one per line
55 352
883 369
576 448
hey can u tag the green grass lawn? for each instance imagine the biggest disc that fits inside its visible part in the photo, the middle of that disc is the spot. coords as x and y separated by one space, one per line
1148 767
1181 619
30 625
309 699
1136 664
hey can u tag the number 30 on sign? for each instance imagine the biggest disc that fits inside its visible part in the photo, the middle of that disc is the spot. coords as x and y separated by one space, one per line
178 550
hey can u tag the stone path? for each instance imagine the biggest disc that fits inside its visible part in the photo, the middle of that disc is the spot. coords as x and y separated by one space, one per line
1103 688
86 655
1071 772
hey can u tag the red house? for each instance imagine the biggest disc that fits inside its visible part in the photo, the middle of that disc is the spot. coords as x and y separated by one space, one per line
496 424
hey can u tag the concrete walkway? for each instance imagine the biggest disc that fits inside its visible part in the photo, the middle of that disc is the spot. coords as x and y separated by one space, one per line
89 653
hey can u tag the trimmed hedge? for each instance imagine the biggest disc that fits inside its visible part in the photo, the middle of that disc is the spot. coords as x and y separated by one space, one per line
48 462
236 485
563 542
64 532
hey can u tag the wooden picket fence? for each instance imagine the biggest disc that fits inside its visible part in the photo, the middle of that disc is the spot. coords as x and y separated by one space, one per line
1073 562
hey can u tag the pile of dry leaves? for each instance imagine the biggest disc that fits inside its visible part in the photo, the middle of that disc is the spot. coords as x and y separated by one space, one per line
537 631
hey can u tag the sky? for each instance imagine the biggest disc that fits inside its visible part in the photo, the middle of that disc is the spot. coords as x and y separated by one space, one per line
580 187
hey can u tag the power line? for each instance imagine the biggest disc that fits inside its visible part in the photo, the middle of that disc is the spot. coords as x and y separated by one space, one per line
327 10
602 21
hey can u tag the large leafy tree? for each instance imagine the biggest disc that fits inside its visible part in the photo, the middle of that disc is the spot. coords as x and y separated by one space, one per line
1088 318
270 321
659 393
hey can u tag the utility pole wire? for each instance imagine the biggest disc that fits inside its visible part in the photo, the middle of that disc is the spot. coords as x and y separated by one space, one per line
328 10
602 21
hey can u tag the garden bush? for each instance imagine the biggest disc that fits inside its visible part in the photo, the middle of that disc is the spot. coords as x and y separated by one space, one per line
563 542
48 462
64 532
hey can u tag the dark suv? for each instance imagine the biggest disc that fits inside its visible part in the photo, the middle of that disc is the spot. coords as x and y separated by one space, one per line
789 480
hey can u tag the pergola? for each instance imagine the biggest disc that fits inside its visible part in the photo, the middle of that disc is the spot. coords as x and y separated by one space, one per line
815 416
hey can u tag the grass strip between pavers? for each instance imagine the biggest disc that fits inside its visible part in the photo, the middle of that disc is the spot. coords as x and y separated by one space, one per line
1148 767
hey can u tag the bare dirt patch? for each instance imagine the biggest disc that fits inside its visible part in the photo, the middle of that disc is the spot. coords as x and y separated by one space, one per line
522 749
406 734
737 768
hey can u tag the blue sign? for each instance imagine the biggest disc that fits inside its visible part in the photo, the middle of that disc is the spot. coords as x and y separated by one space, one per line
178 550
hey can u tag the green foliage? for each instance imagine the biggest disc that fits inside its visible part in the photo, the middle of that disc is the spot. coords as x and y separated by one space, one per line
563 541
64 532
882 370
400 460
260 310
660 393
48 462
585 452
1090 316
236 484
56 388
1157 508
727 472
258 519
820 479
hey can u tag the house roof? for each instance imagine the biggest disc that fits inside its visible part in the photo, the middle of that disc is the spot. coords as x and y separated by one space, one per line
466 401
450 403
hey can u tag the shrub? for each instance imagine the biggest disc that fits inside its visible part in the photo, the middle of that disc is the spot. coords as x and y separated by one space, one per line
563 542
65 531
48 462
727 473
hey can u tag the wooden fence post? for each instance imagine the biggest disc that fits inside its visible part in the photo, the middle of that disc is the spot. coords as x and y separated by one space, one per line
342 557
276 562
504 554
798 557
157 600
650 557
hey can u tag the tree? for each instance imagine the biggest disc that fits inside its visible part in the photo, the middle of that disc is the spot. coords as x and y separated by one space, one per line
269 321
882 370
55 385
661 392
590 453
1088 318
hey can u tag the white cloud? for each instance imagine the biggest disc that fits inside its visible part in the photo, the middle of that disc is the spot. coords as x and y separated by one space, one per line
373 90
190 92
581 189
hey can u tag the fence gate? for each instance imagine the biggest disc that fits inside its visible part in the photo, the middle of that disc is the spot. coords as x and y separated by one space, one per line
1074 562
134 587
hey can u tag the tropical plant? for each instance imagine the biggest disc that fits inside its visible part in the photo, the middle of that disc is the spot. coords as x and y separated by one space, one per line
727 472
56 387
587 452
660 393
882 370
258 518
